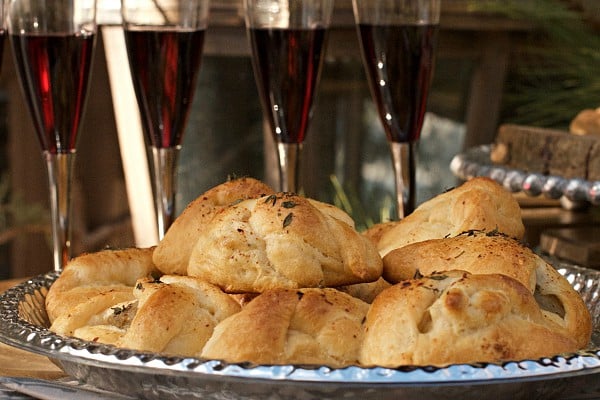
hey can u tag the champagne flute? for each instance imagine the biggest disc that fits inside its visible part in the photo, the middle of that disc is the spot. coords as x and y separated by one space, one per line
398 40
164 40
288 40
53 45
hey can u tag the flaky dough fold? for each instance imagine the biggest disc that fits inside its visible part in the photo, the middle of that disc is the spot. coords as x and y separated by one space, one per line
282 241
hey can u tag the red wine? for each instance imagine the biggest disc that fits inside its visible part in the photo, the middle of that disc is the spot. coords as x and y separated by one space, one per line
399 61
54 72
287 66
164 66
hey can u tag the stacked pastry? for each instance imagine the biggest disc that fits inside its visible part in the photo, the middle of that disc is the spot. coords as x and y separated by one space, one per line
246 274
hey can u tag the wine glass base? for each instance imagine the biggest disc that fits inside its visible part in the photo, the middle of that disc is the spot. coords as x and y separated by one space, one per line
289 161
403 159
60 169
165 162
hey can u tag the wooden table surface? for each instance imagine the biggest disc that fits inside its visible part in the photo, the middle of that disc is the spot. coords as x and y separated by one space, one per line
15 362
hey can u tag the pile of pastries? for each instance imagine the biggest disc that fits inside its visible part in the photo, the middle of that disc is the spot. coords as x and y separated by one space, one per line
246 274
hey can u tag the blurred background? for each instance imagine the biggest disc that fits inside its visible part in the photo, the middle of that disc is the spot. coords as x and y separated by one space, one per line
531 62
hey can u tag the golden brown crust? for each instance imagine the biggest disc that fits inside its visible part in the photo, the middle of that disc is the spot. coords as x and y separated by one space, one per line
173 252
176 315
586 122
282 241
96 310
562 305
474 252
479 253
367 292
375 232
478 204
457 317
307 326
93 274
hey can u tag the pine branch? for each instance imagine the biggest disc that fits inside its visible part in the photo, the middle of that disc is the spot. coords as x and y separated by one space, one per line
556 70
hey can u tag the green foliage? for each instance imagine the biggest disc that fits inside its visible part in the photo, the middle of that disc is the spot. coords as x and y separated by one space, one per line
347 199
554 72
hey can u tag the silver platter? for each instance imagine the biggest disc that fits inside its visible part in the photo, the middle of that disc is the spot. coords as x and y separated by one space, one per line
476 162
24 325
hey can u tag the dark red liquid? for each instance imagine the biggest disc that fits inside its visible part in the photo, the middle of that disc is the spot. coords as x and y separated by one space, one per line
164 66
54 72
399 61
287 65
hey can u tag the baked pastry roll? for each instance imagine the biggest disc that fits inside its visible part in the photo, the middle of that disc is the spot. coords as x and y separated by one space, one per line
100 318
172 254
101 274
282 241
305 326
480 253
457 317
586 122
474 252
478 204
174 315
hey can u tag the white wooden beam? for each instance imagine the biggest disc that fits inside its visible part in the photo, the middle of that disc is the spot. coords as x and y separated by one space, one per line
131 138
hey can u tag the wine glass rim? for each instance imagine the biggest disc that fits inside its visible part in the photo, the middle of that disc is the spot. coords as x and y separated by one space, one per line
57 33
387 12
141 27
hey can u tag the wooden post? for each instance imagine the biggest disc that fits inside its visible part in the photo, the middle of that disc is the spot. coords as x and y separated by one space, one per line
131 139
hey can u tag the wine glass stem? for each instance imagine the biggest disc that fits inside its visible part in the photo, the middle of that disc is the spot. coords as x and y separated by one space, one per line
165 161
289 160
403 159
60 168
